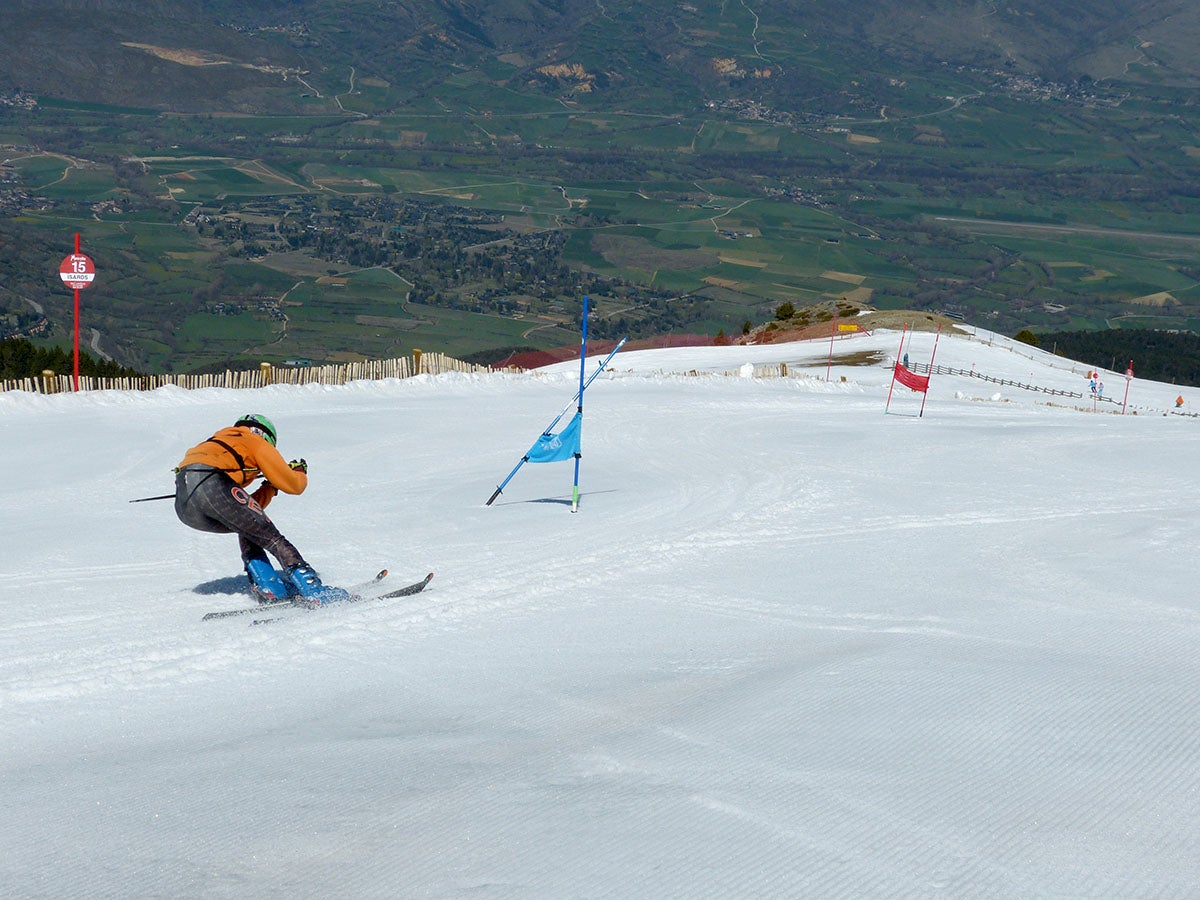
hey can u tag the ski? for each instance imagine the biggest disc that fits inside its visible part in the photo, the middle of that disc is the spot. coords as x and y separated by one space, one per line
292 601
414 588
366 584
246 610
300 603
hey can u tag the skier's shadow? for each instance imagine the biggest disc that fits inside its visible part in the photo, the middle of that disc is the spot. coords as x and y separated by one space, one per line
234 584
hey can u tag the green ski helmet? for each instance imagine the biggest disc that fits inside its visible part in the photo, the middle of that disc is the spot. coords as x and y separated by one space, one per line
262 423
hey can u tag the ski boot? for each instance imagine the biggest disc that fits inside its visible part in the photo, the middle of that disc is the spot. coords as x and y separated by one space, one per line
265 583
305 582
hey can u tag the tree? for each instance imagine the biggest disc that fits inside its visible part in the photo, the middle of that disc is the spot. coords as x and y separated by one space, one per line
19 358
1025 336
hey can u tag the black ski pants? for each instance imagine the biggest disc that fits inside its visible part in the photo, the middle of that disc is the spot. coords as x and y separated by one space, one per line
208 500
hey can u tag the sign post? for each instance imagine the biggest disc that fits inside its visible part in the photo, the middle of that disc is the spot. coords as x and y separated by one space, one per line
77 272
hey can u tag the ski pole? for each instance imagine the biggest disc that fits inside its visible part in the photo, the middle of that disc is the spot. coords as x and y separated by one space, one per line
144 499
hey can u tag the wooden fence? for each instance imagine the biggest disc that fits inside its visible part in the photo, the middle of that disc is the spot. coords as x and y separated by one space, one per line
403 367
971 373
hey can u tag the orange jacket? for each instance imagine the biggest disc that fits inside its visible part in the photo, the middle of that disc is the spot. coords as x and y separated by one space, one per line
259 459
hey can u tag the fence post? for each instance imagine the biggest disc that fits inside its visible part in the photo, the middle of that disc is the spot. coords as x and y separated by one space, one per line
48 377
416 361
265 370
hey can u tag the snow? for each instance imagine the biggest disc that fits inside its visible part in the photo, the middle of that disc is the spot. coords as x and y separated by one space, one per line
790 645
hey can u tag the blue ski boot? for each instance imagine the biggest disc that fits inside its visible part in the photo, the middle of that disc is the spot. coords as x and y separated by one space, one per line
307 583
265 583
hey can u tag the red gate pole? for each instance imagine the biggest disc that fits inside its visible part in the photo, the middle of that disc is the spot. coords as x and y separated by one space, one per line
832 335
903 334
932 357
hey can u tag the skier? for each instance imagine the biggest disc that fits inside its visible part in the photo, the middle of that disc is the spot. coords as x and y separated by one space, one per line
210 495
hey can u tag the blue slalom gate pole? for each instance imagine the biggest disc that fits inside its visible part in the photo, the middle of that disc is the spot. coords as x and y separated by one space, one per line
579 409
549 428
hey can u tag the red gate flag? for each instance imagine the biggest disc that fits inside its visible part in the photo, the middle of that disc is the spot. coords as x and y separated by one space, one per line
901 373
911 379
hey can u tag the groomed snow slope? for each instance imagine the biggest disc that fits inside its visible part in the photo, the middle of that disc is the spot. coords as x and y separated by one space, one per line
790 646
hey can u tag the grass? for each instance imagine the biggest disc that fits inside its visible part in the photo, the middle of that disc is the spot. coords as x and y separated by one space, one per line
655 216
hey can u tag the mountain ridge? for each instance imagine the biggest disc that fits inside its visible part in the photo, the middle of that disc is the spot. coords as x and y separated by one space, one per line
247 56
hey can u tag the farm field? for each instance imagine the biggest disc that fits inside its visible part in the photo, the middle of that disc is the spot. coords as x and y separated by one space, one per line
472 219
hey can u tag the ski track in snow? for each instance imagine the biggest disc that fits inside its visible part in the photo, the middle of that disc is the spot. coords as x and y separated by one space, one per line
789 646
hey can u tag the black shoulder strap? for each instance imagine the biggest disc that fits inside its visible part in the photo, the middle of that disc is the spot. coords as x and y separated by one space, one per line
237 457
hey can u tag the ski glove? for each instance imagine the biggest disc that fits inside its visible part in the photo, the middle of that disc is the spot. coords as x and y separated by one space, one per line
299 465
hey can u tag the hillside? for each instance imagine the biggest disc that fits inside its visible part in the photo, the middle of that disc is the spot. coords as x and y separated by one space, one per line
253 56
1157 355
333 181
157 55
789 646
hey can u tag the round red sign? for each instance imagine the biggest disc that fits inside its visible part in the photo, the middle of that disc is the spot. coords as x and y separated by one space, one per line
77 271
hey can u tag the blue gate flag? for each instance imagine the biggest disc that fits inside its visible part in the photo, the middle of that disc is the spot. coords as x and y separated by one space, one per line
564 445
557 447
